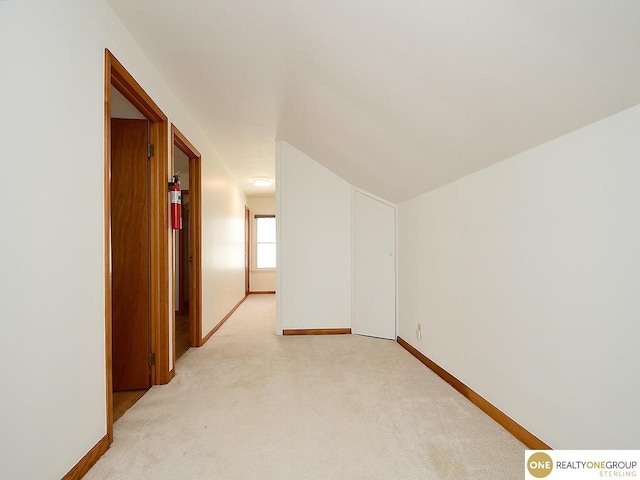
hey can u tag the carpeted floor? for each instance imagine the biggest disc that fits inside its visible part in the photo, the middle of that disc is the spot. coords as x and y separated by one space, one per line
253 405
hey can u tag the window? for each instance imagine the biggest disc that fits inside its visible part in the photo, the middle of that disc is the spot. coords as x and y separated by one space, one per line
265 241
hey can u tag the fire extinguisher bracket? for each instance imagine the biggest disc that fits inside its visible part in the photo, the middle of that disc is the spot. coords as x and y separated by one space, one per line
176 181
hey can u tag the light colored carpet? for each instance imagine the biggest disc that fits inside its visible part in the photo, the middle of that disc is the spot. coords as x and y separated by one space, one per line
252 405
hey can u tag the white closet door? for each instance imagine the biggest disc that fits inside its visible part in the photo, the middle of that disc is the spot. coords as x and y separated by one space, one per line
374 268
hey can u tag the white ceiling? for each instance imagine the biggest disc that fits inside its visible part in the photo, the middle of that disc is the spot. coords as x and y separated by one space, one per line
397 97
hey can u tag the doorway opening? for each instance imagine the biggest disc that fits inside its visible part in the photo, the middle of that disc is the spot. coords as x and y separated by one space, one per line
130 254
187 324
145 345
247 249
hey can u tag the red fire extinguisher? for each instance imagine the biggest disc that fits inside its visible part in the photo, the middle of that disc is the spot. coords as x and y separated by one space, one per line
176 203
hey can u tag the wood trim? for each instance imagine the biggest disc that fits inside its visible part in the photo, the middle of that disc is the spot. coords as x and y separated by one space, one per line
271 292
82 467
317 331
195 248
107 248
518 431
195 235
124 82
117 76
221 322
184 144
247 249
160 254
172 256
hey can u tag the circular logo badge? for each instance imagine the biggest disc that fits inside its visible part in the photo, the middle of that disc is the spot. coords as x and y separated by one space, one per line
540 465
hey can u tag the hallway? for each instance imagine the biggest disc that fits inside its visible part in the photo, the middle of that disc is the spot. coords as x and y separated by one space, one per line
253 405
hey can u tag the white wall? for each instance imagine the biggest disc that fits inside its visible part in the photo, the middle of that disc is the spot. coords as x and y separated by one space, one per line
52 282
263 280
222 242
525 277
314 243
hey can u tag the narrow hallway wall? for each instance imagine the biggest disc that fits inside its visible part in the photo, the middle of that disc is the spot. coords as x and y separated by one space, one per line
52 289
524 276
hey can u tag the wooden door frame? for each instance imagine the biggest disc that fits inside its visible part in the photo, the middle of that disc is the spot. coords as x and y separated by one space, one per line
195 237
118 77
247 250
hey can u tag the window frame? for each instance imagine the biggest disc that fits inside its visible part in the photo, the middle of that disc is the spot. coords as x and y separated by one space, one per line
256 243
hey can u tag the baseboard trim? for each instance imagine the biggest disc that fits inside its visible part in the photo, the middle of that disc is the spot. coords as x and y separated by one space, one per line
82 467
263 293
518 431
317 331
221 322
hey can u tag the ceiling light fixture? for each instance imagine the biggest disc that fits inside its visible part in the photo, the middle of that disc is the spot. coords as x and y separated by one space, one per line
261 182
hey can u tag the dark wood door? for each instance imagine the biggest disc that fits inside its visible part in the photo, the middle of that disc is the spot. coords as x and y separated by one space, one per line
130 254
247 248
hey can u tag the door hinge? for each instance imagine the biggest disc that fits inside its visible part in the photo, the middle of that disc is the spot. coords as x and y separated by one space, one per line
150 150
152 359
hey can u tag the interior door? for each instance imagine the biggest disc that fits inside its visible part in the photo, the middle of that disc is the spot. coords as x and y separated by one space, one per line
130 254
247 247
374 268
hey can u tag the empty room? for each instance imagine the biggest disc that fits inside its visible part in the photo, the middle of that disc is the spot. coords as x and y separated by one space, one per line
403 244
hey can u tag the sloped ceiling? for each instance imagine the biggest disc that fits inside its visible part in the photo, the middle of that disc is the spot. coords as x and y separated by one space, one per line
397 97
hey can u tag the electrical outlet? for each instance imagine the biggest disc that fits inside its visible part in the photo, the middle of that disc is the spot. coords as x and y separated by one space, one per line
419 332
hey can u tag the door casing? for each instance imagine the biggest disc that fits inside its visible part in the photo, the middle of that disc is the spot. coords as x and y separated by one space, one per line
117 76
247 249
195 237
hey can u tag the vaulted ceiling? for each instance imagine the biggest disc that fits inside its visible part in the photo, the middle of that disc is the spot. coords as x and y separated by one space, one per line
396 96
